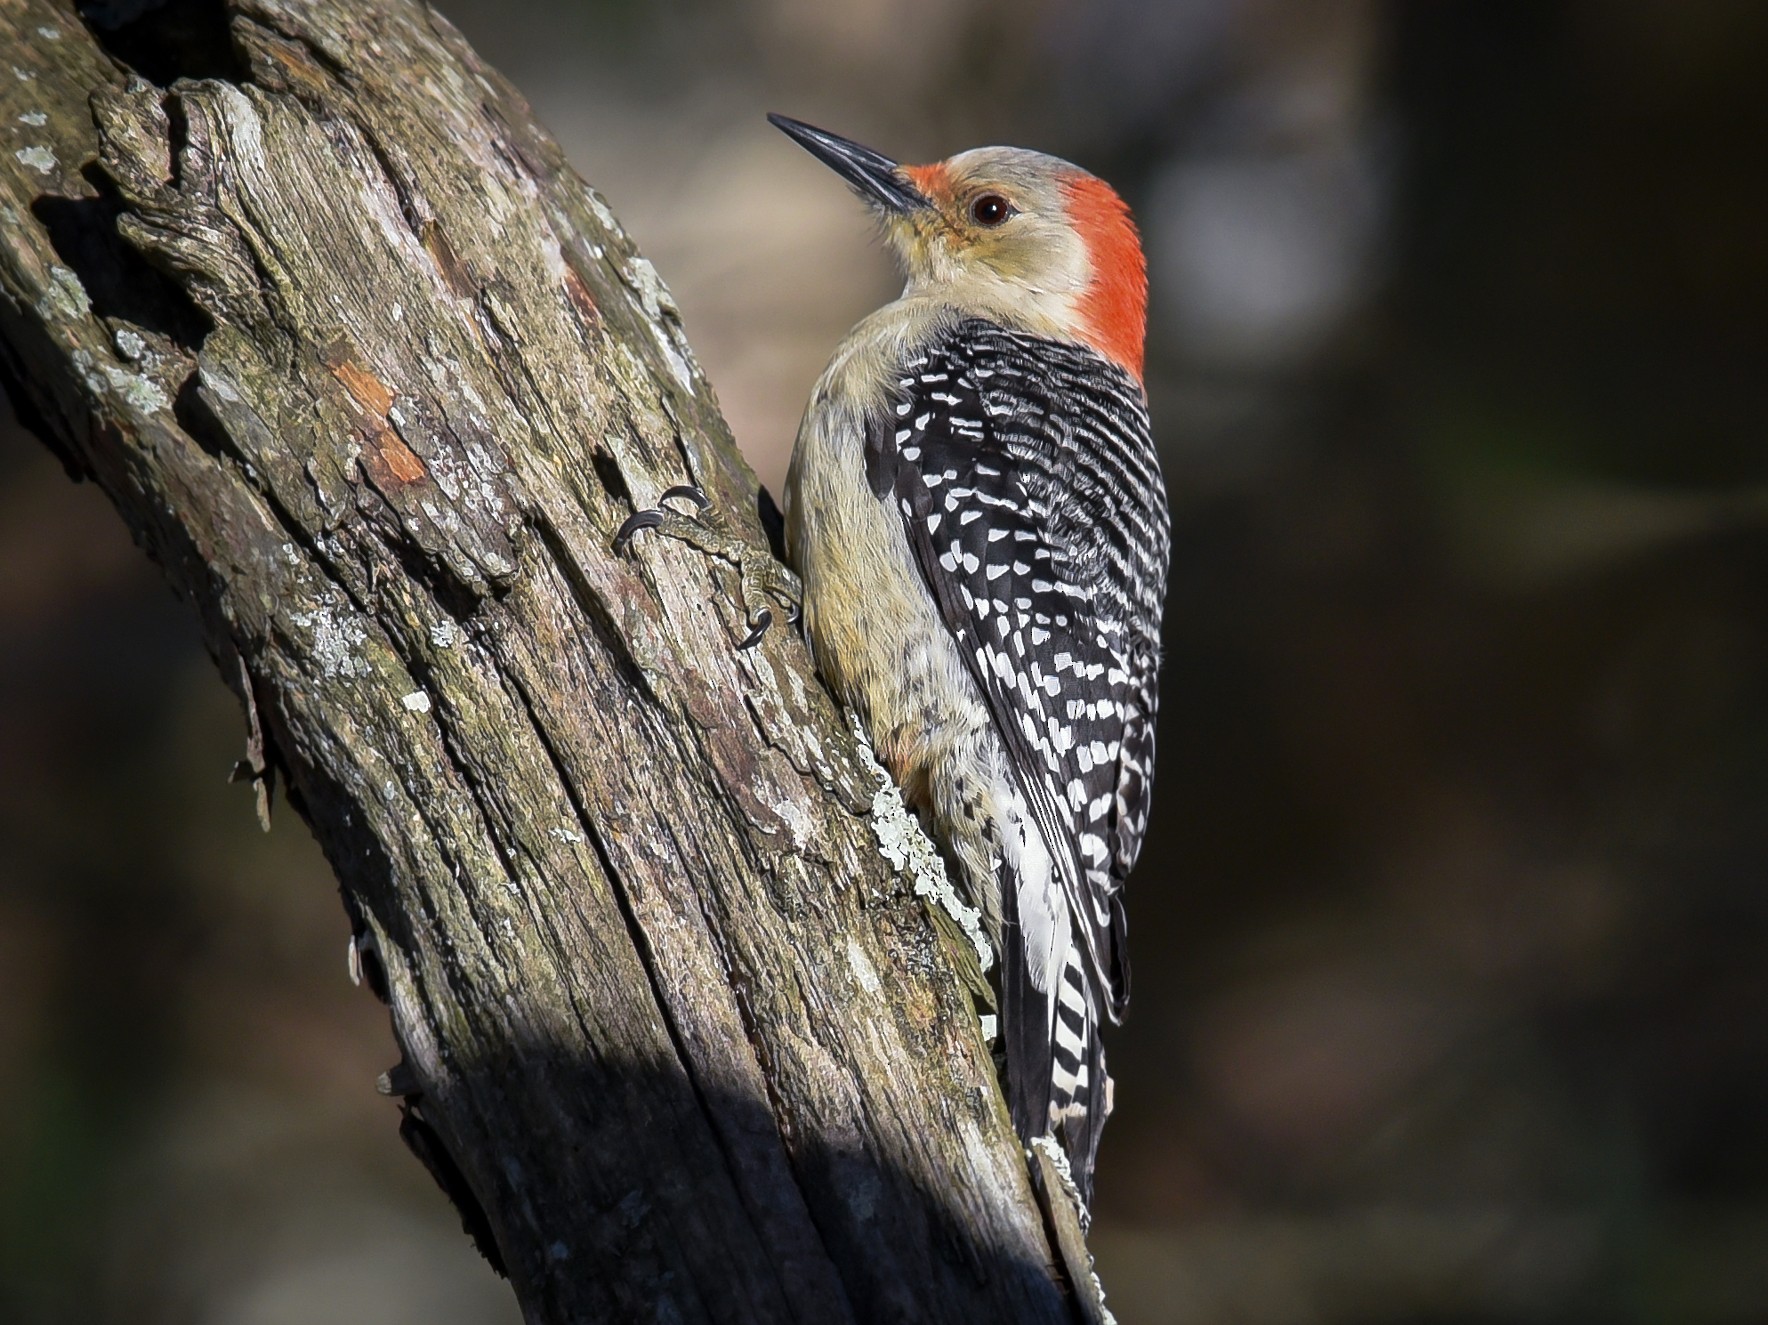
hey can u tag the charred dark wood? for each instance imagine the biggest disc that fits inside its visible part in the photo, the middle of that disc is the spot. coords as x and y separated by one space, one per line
375 377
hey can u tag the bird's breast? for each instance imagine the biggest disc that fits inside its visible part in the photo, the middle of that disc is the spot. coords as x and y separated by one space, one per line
873 627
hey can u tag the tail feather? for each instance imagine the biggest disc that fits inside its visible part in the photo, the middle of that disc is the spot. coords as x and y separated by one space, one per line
1056 1080
1024 1023
1080 1088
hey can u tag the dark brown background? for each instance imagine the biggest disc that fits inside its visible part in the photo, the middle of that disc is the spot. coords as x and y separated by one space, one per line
1451 939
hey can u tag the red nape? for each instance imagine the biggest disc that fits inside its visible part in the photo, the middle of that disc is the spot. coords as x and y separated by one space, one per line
1114 310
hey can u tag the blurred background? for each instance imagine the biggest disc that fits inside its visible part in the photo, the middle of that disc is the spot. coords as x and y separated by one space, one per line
1451 938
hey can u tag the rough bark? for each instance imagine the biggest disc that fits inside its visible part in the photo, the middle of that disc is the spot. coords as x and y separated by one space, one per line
375 377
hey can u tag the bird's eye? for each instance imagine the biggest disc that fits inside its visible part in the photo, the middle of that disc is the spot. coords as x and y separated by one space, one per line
990 209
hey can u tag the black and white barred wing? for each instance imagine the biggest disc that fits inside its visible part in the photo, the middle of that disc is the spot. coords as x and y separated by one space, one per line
1027 482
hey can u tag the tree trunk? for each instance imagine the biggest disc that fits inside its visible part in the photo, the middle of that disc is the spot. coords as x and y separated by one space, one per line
375 377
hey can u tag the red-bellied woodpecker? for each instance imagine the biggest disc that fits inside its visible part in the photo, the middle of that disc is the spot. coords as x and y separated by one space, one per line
976 512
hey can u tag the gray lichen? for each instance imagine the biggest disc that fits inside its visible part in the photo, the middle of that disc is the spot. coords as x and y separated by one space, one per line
65 298
903 843
336 642
40 159
138 392
142 394
863 970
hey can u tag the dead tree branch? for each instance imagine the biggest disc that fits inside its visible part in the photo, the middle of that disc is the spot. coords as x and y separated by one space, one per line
374 377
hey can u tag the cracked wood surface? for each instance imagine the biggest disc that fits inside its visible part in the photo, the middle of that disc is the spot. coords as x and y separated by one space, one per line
374 377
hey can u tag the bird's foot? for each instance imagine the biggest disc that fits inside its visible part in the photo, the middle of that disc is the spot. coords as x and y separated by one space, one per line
759 576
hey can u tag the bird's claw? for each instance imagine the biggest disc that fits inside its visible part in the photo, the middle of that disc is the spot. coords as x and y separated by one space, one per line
771 580
758 625
633 524
688 491
654 516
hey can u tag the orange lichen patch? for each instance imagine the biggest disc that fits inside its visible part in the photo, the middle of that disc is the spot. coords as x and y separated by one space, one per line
387 458
1114 310
367 390
396 461
581 299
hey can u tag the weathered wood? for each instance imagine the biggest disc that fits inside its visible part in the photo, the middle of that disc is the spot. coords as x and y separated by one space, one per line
374 376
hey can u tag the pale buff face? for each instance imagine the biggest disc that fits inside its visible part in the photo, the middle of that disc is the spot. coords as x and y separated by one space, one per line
1032 260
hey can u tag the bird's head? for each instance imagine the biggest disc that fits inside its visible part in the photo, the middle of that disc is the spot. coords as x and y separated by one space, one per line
1009 231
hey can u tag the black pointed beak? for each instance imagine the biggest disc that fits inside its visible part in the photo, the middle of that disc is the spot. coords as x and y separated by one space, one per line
873 175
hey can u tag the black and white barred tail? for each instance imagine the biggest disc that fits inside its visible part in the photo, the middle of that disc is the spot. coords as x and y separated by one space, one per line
1057 1084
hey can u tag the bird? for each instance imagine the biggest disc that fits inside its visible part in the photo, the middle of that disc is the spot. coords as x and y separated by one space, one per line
976 514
